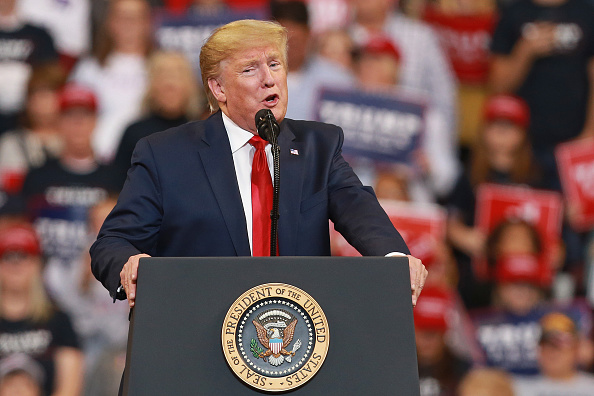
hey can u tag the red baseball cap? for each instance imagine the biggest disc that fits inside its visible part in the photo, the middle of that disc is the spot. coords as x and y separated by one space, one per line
521 268
433 309
507 107
19 238
381 45
74 95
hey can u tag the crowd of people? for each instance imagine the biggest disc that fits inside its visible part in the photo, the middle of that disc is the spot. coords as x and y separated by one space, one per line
507 309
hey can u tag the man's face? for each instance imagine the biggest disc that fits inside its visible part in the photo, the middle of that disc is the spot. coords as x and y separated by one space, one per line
558 360
250 80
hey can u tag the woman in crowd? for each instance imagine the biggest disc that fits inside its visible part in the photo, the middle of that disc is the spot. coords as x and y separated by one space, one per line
117 71
171 99
502 155
29 323
38 139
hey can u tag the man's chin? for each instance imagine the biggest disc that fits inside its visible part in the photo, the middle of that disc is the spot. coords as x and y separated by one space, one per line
279 113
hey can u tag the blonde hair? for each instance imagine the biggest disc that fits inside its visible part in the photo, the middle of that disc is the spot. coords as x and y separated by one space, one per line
40 309
486 382
232 37
163 59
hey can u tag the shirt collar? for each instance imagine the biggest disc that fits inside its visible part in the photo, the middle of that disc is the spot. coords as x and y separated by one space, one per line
238 137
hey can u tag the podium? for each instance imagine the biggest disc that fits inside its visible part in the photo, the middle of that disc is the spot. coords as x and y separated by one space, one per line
174 344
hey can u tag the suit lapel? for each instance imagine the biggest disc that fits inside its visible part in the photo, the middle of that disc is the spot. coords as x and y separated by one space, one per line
291 180
215 153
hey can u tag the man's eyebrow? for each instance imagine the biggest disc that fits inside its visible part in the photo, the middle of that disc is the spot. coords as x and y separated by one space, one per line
274 56
247 62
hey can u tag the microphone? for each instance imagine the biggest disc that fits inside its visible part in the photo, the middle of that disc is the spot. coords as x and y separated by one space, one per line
268 129
266 125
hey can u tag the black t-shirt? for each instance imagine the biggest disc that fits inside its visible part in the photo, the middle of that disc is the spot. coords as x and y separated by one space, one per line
20 49
136 131
59 199
556 87
38 340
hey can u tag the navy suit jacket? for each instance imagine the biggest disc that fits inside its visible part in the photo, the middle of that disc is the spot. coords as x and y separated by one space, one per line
181 199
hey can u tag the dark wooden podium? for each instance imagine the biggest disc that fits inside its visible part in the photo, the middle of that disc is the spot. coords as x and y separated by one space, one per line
174 345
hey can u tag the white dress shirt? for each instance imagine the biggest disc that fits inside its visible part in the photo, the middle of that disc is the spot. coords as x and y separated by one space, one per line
243 156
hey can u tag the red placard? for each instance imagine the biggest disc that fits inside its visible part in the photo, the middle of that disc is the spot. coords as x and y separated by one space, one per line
466 39
576 168
421 226
543 209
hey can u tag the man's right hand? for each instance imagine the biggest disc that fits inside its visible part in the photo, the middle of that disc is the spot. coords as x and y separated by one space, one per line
128 277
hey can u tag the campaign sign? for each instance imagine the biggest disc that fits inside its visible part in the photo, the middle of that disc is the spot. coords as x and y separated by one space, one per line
381 127
576 168
466 40
187 32
421 227
542 209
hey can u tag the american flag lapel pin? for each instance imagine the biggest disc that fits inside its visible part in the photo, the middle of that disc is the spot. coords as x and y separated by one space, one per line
294 152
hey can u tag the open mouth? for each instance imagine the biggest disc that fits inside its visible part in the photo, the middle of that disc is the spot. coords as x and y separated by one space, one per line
271 100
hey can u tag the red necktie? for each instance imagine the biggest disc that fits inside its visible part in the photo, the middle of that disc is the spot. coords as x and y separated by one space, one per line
261 199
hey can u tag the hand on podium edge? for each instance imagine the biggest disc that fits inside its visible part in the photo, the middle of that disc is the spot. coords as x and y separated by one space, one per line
128 276
418 276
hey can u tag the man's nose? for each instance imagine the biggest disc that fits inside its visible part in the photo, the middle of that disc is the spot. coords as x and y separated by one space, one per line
267 77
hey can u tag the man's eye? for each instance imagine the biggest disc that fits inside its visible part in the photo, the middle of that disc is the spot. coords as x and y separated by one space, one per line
275 64
248 70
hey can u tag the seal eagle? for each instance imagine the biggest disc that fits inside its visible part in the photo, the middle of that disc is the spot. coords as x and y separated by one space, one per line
275 344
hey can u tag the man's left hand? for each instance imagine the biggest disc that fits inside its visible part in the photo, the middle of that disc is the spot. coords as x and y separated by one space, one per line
418 275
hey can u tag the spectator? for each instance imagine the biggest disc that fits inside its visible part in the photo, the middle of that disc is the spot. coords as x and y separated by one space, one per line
172 98
392 185
22 46
68 22
486 382
558 357
307 73
20 376
30 146
509 334
465 29
501 155
60 193
440 370
117 71
543 50
336 46
101 323
29 324
424 70
378 67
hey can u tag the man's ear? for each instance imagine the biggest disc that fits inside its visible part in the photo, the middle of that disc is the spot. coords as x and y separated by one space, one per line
217 90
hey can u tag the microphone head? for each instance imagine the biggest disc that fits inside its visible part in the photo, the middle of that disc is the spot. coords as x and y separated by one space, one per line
266 125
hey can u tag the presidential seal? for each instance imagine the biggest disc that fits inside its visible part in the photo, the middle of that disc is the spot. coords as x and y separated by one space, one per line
275 337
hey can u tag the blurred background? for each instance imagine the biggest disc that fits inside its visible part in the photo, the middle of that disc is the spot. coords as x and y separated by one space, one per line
472 119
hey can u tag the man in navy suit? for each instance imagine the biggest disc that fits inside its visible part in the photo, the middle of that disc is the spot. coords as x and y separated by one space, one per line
188 190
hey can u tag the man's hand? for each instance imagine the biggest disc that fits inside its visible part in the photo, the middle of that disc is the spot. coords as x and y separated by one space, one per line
539 39
129 274
418 275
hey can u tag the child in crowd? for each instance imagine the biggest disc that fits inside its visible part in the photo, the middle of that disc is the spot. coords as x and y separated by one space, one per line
440 369
509 333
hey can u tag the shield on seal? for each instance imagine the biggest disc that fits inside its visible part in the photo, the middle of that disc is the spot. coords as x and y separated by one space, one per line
276 344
